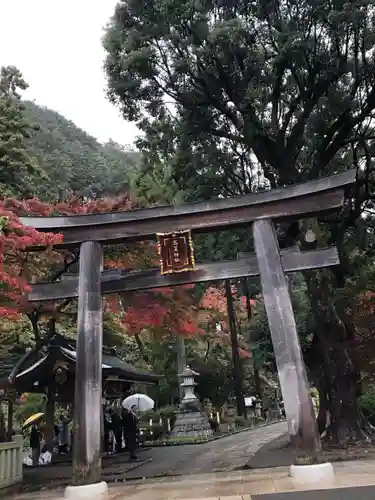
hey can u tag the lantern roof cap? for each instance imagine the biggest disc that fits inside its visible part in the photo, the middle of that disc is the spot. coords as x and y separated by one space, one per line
188 372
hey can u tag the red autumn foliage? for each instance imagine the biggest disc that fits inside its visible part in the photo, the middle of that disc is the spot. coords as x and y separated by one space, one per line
213 314
139 256
366 301
214 300
243 354
213 306
126 257
243 301
167 310
14 240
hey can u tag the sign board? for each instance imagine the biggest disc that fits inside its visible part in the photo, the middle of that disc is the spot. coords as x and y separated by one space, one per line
176 252
249 401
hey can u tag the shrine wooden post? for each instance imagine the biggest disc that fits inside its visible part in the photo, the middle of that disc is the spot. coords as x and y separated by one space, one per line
289 360
88 380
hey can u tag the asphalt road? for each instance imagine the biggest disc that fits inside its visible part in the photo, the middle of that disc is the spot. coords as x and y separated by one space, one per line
357 493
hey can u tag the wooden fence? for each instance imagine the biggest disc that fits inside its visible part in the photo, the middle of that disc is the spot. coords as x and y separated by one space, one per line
11 457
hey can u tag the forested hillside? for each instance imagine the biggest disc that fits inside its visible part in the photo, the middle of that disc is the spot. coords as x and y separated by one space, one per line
74 162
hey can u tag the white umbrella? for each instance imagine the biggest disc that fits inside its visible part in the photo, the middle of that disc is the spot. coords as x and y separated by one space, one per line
140 401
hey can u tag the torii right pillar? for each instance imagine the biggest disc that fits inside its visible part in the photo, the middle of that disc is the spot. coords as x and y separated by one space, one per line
294 384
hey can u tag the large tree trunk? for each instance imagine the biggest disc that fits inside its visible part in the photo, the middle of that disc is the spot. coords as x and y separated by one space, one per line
181 363
341 392
258 387
237 367
337 378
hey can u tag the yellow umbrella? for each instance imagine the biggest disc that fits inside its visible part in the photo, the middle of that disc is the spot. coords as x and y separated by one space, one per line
31 420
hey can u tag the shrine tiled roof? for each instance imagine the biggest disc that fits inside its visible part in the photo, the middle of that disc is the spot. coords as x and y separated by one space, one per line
24 371
109 362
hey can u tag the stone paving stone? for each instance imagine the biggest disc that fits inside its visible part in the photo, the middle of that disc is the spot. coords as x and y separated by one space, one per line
356 479
231 498
205 490
225 490
237 497
355 493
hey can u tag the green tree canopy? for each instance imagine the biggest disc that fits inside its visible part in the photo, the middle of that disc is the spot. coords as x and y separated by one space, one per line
17 167
281 90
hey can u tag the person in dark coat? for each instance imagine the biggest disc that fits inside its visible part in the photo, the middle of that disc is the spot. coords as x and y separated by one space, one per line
130 426
35 439
117 429
107 426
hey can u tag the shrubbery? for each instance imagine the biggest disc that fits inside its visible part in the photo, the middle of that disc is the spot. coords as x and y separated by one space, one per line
366 404
153 433
164 413
256 420
241 421
169 412
157 430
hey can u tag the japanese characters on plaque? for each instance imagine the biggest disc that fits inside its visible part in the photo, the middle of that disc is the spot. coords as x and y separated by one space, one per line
176 252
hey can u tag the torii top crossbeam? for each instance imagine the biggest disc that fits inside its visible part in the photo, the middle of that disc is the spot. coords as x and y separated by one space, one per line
301 200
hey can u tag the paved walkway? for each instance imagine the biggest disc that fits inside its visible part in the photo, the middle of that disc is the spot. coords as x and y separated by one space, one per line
221 455
224 454
273 484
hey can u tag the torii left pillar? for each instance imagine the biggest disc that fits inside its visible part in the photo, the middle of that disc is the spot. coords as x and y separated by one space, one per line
88 380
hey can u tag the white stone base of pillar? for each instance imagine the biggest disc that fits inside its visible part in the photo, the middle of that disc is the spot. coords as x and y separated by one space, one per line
313 474
97 491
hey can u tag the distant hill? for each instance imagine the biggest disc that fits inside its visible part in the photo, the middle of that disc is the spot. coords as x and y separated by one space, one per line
74 162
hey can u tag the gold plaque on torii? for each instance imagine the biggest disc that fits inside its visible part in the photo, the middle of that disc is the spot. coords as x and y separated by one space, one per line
176 252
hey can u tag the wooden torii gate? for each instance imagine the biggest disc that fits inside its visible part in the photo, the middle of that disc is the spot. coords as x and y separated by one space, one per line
262 210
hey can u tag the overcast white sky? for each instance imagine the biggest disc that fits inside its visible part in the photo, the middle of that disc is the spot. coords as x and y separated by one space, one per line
57 47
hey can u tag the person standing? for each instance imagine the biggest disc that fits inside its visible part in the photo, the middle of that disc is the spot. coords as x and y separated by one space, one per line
130 425
107 427
134 409
35 442
253 405
63 435
117 429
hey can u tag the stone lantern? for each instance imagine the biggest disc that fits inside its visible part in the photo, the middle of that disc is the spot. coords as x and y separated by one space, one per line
188 386
190 420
